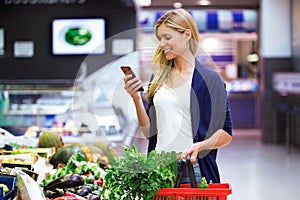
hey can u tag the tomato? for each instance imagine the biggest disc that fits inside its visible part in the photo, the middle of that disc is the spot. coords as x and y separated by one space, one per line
99 181
70 196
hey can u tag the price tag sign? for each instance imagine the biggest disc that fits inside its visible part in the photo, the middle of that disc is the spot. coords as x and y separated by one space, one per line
23 49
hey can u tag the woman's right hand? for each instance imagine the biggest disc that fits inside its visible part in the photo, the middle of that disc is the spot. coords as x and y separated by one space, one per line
131 85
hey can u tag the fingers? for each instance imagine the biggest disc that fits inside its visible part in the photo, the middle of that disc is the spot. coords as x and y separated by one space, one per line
131 85
193 157
188 151
192 152
184 155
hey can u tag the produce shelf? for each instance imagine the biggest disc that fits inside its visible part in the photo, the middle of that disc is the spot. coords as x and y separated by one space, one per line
10 182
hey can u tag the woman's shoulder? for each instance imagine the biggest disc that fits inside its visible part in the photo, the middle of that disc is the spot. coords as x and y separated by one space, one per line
207 73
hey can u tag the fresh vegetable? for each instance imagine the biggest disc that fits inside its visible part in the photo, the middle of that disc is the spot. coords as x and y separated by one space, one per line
53 194
66 181
64 154
88 153
85 190
138 176
90 173
50 139
5 188
70 196
93 197
203 183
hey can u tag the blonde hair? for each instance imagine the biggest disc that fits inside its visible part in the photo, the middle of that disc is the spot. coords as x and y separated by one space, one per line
179 20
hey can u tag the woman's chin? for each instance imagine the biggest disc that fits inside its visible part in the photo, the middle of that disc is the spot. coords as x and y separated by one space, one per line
169 57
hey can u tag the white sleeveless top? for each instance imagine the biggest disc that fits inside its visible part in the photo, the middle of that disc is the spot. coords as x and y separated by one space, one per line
174 125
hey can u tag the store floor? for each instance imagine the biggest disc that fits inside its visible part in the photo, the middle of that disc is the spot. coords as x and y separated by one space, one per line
258 171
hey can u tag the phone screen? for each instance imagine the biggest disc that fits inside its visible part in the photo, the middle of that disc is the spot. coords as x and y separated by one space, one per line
127 70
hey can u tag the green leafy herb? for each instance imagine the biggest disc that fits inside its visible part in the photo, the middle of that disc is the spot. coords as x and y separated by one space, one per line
138 176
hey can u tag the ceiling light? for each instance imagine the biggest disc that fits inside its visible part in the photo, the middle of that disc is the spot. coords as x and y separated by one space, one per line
204 2
143 2
210 44
177 4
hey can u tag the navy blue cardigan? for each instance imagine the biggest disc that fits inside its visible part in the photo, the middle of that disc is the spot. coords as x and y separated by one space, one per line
209 112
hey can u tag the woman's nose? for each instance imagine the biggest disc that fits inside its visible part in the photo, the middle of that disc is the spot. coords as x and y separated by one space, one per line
162 44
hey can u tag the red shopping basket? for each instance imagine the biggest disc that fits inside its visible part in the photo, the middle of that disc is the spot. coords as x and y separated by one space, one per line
215 191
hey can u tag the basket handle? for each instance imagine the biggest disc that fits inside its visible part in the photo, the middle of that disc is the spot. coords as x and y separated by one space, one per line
186 163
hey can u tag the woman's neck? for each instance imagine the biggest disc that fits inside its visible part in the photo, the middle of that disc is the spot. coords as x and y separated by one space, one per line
183 71
184 64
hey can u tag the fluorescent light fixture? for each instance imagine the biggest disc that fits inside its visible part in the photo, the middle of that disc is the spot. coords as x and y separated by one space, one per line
143 2
204 2
177 4
210 44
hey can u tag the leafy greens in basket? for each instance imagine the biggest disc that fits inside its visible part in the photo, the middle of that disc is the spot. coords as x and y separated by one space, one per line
139 176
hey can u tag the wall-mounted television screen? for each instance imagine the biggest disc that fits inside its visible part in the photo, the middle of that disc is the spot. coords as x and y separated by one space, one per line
78 36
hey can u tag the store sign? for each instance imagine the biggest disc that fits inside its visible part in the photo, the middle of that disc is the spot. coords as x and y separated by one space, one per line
226 20
210 21
43 2
286 82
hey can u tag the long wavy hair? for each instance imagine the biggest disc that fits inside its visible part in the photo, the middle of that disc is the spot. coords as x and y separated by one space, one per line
179 20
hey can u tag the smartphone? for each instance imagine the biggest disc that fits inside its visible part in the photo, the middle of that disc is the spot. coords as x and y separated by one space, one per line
127 70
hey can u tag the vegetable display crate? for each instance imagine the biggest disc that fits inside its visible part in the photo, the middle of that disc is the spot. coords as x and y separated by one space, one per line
10 182
215 191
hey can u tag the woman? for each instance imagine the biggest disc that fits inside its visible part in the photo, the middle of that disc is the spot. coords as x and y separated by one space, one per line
188 110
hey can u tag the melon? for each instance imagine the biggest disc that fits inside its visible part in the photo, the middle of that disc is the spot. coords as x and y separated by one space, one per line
49 139
63 155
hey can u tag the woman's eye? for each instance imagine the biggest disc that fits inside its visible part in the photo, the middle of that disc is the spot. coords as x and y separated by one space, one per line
164 38
167 38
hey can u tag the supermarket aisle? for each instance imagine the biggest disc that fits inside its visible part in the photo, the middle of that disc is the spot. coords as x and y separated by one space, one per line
259 171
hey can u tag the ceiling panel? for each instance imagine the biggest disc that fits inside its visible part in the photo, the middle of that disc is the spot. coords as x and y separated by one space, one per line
228 4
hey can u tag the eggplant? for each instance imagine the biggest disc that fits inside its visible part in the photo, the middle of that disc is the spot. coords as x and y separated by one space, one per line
66 181
93 197
85 190
53 194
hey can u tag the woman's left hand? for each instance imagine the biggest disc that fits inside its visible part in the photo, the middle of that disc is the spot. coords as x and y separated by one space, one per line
219 139
192 152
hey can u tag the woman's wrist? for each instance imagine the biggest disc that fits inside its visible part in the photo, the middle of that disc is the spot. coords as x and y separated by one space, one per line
199 146
136 97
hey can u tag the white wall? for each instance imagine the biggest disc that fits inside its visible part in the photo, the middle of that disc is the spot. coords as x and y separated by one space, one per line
275 29
296 35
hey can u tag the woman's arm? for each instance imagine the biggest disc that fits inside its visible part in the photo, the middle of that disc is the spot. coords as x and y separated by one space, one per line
142 116
131 85
219 139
